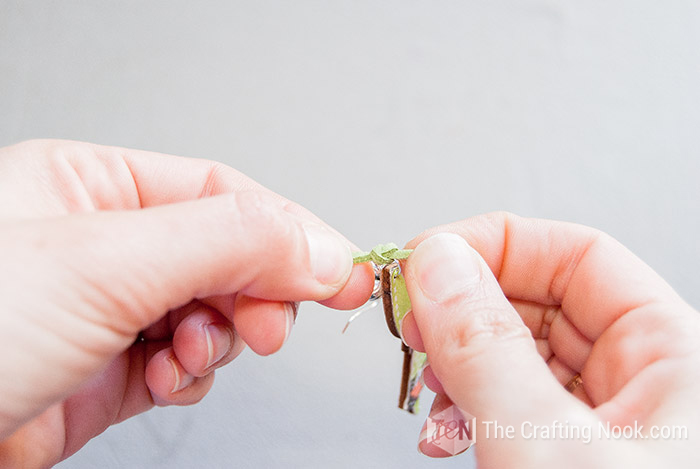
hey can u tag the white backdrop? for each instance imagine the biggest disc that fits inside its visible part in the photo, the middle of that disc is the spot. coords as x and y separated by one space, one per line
384 118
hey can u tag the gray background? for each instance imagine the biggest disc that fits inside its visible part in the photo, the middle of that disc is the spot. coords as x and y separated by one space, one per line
384 118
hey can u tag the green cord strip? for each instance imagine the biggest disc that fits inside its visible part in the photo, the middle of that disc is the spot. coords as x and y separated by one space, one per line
382 254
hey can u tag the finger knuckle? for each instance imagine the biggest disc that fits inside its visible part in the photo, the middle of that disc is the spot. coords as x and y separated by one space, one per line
216 179
262 221
488 330
500 217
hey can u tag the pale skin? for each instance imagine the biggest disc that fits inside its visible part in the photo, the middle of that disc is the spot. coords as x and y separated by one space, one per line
129 277
511 309
102 246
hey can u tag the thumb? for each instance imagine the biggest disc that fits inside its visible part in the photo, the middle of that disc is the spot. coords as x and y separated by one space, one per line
77 289
477 344
149 261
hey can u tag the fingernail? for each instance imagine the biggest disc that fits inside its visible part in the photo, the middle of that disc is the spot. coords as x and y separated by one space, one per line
219 341
181 380
291 314
331 260
295 308
445 265
422 437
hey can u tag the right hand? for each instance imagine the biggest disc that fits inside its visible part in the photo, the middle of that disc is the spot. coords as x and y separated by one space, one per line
509 310
101 246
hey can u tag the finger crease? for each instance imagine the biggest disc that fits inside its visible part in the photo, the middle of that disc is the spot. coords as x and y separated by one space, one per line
548 318
133 179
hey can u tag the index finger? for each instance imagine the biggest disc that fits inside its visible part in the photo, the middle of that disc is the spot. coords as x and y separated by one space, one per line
116 178
162 179
593 277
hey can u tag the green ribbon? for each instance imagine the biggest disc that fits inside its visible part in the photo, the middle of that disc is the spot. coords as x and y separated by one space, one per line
382 254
